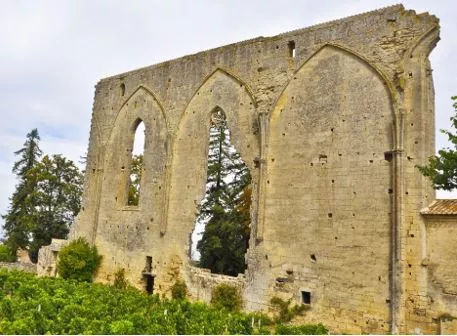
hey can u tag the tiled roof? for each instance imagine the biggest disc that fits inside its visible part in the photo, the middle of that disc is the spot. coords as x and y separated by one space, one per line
441 207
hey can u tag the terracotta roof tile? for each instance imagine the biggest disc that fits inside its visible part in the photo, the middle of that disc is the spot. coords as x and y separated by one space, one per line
441 207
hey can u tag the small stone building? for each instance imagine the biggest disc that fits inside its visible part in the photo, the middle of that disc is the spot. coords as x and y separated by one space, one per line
331 121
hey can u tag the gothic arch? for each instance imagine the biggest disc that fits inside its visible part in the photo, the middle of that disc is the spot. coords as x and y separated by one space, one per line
141 106
393 95
220 89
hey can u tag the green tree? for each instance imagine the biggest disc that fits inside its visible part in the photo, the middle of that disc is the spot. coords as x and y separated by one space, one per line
136 171
442 168
18 219
57 200
225 210
6 254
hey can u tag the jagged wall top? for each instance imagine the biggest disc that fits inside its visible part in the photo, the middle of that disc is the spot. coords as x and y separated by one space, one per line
395 11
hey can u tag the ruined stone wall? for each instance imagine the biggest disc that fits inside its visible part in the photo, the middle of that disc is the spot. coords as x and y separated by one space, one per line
331 121
203 282
19 266
440 263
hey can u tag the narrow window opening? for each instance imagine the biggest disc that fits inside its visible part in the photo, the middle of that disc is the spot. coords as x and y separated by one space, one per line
149 276
149 283
221 235
148 264
122 88
136 165
306 297
291 46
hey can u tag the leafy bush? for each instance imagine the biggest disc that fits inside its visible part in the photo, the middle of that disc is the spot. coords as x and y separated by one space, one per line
6 254
122 327
31 305
78 261
307 329
179 290
119 279
226 297
286 312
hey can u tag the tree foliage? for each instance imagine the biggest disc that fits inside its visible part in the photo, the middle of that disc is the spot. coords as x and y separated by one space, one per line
442 168
136 171
46 199
19 218
225 210
6 254
78 261
57 200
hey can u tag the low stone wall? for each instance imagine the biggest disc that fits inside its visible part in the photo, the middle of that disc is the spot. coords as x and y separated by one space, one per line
47 258
26 267
202 281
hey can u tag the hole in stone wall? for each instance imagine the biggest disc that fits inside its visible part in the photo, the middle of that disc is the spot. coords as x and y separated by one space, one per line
306 297
122 89
390 191
291 46
388 156
224 213
330 215
313 257
148 275
136 164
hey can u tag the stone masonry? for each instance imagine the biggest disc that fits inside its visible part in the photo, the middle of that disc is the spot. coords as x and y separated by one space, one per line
331 120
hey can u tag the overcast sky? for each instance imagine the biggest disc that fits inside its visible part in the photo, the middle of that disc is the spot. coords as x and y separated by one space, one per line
53 53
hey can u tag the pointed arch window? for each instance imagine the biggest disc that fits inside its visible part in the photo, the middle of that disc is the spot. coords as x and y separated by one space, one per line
224 213
136 164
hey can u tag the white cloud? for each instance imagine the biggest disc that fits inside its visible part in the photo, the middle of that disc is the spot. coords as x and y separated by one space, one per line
54 52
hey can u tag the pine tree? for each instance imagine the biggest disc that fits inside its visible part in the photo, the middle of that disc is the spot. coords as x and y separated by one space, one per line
18 220
46 199
226 207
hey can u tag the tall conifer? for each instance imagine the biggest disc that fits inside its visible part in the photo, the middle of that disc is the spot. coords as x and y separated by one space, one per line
18 220
225 210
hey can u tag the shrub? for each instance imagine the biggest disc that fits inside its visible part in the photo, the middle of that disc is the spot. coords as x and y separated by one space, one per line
122 327
119 279
6 254
226 297
306 329
179 290
78 261
286 312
